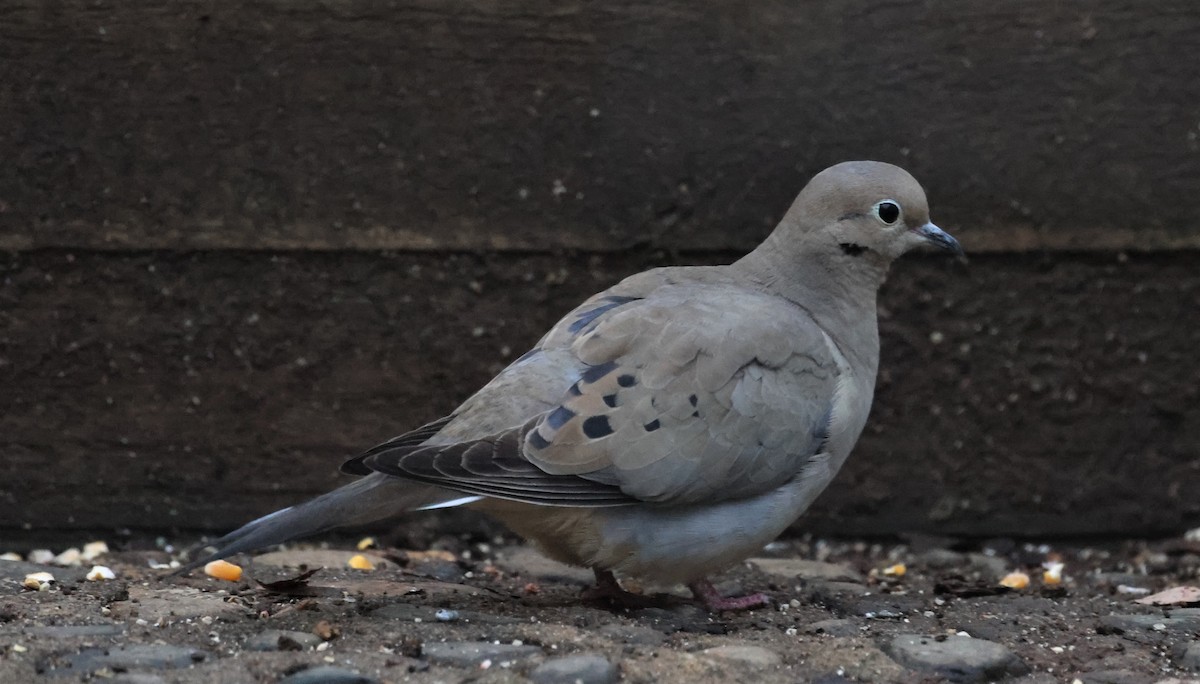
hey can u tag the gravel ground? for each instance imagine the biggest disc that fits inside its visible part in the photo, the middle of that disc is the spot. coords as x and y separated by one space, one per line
495 611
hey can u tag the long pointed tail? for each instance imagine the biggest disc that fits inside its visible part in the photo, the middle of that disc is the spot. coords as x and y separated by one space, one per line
365 500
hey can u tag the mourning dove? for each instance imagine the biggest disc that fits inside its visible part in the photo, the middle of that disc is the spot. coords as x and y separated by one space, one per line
676 423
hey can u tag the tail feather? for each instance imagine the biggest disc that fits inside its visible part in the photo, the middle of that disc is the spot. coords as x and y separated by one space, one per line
365 500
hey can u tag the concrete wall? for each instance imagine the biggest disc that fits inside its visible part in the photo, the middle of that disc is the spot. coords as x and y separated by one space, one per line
246 239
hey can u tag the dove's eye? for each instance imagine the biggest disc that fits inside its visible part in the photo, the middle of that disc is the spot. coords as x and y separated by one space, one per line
887 211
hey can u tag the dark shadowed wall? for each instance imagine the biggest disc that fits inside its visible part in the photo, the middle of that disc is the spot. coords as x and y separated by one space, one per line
244 240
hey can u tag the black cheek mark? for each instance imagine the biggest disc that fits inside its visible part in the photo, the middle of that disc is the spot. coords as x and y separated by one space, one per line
559 417
851 248
851 215
626 380
652 425
610 400
597 427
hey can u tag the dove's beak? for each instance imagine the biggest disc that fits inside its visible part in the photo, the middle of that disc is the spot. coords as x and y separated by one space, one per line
939 238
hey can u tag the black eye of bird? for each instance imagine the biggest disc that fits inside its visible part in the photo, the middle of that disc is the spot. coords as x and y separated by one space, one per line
887 211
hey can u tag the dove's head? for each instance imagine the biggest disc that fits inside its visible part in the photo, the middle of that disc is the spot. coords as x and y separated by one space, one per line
866 208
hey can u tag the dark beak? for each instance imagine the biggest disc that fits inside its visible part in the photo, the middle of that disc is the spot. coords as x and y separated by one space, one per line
939 238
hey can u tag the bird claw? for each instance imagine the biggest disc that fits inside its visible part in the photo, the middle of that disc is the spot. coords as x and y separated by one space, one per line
608 590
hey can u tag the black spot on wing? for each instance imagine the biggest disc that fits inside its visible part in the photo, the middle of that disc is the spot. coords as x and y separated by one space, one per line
626 380
610 400
536 440
694 399
596 427
652 425
559 417
587 318
594 373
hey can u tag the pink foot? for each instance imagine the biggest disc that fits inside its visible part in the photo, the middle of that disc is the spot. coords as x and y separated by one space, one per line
710 598
607 589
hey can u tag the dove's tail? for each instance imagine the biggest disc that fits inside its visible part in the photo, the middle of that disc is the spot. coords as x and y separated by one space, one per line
365 500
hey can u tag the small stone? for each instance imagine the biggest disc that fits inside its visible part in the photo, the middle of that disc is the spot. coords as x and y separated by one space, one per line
76 631
838 627
1179 621
473 653
632 634
755 656
796 568
957 658
327 675
992 568
282 640
146 657
136 678
940 559
1111 677
580 669
1189 659
326 630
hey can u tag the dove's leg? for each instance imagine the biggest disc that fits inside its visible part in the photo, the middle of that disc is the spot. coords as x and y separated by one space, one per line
710 598
608 589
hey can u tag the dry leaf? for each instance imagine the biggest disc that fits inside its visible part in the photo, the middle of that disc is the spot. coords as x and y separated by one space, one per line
291 585
1175 596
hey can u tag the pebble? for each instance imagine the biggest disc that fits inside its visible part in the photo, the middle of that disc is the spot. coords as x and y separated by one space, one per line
146 657
474 653
957 658
1178 621
632 634
837 627
1189 658
941 559
754 656
136 678
282 640
414 613
74 631
1111 677
989 567
579 669
807 569
328 675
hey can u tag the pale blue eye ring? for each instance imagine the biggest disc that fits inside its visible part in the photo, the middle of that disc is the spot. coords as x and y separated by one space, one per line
887 211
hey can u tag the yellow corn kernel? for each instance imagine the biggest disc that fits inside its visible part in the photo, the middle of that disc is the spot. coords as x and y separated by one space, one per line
223 570
1015 580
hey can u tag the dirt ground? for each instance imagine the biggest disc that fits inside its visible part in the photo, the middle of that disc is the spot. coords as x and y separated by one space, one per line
481 607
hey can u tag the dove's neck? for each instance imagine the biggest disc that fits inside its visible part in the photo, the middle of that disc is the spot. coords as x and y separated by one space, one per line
838 289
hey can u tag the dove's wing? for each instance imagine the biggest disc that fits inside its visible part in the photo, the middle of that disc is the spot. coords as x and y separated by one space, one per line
692 392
